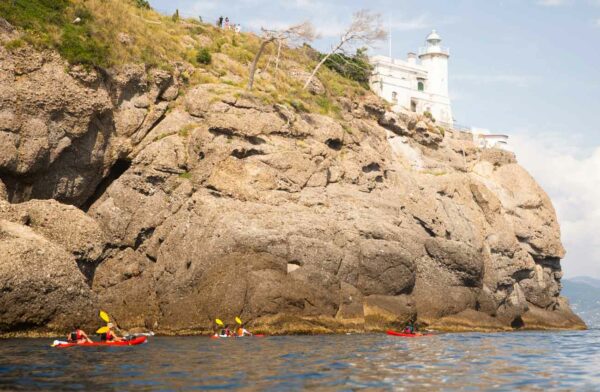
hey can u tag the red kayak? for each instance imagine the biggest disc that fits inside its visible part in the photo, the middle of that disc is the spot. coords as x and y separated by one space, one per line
407 335
133 342
225 337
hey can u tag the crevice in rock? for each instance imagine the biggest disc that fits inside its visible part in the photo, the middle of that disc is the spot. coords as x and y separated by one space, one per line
142 236
549 262
517 323
229 133
88 269
214 191
425 226
371 167
521 275
334 144
294 134
218 131
255 140
242 153
116 171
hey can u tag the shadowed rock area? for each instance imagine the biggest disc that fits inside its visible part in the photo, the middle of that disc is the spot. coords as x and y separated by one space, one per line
170 205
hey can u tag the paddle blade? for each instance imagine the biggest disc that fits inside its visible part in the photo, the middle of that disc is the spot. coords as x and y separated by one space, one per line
104 316
238 320
219 322
102 330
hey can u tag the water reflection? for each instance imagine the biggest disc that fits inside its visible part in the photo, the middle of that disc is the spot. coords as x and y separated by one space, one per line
524 361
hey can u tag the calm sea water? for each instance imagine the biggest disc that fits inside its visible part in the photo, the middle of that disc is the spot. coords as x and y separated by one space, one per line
507 361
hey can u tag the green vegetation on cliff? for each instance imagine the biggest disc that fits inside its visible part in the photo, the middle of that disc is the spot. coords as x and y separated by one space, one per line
109 33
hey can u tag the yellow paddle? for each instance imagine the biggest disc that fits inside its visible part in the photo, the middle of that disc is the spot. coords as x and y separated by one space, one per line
238 320
102 330
219 322
104 316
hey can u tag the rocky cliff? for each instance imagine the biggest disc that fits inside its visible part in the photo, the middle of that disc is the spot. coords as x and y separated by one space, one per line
170 204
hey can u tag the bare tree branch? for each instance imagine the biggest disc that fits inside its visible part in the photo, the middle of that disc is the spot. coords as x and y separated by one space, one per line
302 32
366 29
279 43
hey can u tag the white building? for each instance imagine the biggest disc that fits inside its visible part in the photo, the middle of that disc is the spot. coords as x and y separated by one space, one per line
419 84
484 139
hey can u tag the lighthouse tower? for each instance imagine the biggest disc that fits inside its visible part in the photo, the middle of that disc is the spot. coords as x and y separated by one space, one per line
434 59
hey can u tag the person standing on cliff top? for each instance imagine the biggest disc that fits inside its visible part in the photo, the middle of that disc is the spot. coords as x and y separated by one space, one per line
220 22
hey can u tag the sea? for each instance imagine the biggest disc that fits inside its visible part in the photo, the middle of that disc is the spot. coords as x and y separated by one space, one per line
517 361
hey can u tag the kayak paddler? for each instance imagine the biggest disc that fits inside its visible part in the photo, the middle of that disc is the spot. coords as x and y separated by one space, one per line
410 328
78 336
109 335
241 331
226 331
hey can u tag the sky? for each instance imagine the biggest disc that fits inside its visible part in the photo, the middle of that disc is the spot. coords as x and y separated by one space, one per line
527 68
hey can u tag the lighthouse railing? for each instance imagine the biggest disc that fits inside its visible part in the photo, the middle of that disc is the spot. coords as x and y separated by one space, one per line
427 50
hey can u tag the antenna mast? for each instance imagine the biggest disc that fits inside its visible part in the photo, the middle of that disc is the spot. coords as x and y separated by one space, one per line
390 40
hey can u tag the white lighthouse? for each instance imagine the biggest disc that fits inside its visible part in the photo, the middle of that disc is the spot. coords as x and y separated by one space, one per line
419 85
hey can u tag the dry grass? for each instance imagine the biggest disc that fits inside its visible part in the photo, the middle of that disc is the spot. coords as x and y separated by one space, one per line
116 32
155 40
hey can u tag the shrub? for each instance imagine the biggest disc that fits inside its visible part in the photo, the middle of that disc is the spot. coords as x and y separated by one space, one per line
429 115
83 13
40 19
35 15
78 46
355 67
142 4
204 56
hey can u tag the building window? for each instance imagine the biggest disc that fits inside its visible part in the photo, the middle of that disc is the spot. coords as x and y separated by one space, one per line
420 86
394 97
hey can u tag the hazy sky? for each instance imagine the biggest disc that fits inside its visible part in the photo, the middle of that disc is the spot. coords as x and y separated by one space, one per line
528 68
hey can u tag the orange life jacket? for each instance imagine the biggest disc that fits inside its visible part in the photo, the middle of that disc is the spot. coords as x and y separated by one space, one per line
76 335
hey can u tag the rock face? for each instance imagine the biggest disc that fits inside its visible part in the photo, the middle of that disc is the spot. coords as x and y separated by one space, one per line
224 206
48 254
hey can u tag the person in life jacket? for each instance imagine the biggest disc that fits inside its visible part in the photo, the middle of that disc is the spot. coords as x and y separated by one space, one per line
78 336
110 336
410 328
226 331
241 331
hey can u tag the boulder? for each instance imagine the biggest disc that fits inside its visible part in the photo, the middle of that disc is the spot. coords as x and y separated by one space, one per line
43 290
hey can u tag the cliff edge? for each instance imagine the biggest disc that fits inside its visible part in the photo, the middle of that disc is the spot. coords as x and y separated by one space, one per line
169 203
